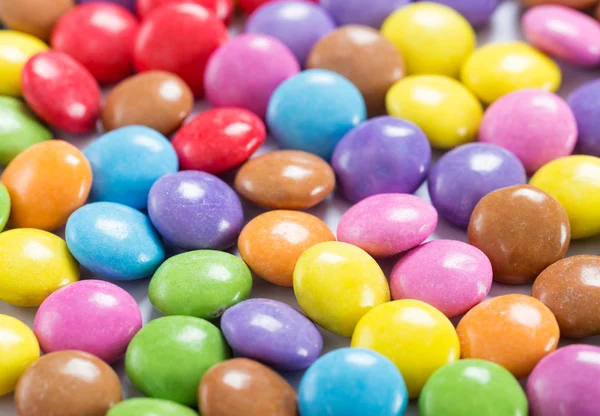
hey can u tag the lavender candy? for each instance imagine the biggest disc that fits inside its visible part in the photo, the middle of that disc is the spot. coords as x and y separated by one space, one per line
477 12
128 4
370 13
585 103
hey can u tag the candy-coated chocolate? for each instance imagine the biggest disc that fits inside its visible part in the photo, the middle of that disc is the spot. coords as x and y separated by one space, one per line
417 337
249 6
35 17
514 331
285 179
4 206
352 382
577 4
336 284
67 383
272 243
366 58
229 84
477 12
585 104
508 226
597 12
168 357
18 349
47 182
128 4
273 333
313 110
257 391
222 8
202 283
346 12
15 50
382 155
145 406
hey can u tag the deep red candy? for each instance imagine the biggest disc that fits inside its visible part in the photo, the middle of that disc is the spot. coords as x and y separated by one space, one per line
249 6
222 8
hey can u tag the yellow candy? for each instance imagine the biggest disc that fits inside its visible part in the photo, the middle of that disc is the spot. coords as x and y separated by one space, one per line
433 38
15 50
337 283
575 182
417 337
442 107
18 349
33 264
497 69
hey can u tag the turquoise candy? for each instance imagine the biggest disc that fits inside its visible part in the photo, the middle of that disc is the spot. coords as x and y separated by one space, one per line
150 407
4 206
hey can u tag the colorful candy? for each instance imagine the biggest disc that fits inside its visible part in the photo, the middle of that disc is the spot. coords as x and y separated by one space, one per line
128 4
346 12
144 406
577 4
4 206
18 349
15 50
35 17
477 12
222 8
585 104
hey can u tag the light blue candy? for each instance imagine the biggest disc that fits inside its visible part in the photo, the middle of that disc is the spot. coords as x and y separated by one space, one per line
114 241
352 382
126 162
313 110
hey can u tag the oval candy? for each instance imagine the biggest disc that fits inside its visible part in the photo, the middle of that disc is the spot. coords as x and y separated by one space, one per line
585 104
222 8
145 406
16 49
35 17
4 206
347 12
18 349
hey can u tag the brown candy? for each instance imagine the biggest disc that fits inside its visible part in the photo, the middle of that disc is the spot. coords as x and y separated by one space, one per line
244 387
67 383
363 56
36 17
522 230
285 179
571 289
598 12
577 4
157 99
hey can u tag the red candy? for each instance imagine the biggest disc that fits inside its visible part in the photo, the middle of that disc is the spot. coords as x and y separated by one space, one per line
61 91
219 140
179 38
100 36
222 8
248 6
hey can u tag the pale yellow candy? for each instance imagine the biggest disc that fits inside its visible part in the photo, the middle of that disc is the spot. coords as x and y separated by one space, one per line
15 50
18 349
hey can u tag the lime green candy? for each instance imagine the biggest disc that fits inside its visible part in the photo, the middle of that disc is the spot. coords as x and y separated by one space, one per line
472 387
150 407
4 206
168 357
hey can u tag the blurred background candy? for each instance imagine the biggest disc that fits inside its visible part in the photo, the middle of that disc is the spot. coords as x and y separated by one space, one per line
346 12
15 50
477 12
35 17
585 104
223 9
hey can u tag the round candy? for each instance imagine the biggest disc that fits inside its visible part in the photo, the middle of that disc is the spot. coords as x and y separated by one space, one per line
128 4
195 210
223 9
35 17
336 284
366 58
15 50
577 4
126 163
18 349
508 226
477 12
67 383
569 178
491 390
430 101
463 176
272 243
229 84
144 406
201 283
47 182
92 316
585 104
285 179
193 34
337 382
346 12
382 155
497 69
273 333
4 206
313 110
168 357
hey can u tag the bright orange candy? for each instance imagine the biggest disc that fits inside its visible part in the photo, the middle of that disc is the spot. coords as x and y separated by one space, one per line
46 183
514 331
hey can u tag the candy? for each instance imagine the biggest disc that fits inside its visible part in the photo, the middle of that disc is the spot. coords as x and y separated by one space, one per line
4 206
126 162
229 84
249 6
144 406
114 240
578 4
340 383
285 179
430 101
67 383
219 140
382 155
272 243
222 8
201 283
585 104
47 182
418 339
169 356
195 210
313 110
366 58
346 12
273 333
472 387
128 4
575 182
497 69
15 50
18 349
35 17
477 12
508 226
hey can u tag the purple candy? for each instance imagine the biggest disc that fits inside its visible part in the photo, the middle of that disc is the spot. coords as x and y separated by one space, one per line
272 332
477 12
129 4
585 103
384 155
195 210
361 12
468 173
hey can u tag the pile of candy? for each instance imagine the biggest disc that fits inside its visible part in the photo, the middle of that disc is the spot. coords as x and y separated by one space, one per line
358 92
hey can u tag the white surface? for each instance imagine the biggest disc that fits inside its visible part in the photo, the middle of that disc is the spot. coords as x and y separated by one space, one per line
504 27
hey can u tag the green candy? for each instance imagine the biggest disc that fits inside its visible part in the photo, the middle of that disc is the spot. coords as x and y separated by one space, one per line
472 387
168 357
201 283
150 407
4 206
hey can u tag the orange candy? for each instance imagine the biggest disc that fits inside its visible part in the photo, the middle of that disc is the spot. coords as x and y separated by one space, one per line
46 183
